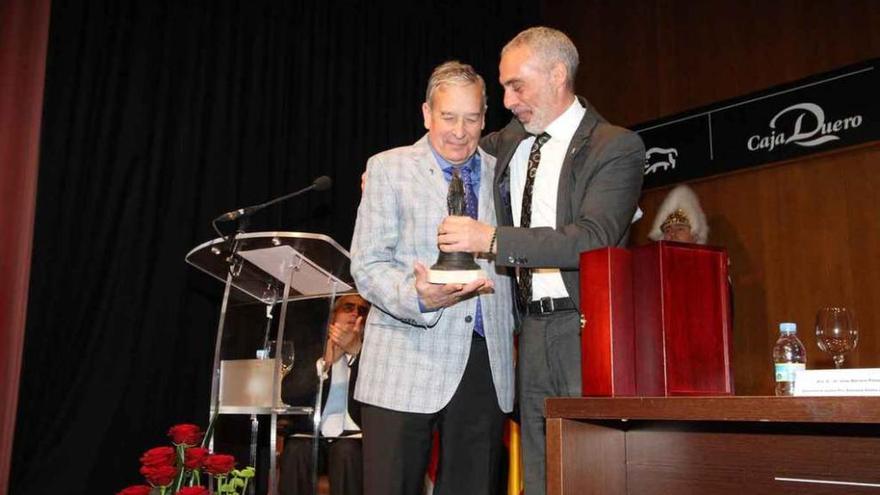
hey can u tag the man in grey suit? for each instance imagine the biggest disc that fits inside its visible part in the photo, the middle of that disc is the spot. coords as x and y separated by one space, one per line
566 181
434 356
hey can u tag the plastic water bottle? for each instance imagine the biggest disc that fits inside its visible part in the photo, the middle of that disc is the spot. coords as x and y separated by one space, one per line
789 357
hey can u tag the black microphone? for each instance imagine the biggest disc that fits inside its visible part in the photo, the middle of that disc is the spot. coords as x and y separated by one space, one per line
322 183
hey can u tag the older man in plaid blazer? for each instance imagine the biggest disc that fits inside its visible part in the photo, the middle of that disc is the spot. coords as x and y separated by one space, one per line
434 356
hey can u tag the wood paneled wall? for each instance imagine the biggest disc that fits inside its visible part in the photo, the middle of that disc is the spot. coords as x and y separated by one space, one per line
801 234
644 59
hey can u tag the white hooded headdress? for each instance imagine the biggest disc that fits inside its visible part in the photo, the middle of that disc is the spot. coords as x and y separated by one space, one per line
681 206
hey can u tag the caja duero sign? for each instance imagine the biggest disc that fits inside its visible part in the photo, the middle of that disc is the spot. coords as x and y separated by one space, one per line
823 112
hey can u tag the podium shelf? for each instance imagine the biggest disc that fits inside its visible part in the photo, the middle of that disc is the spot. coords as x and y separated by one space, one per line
287 410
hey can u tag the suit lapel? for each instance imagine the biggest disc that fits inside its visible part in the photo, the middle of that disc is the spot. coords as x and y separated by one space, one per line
487 175
579 142
428 172
507 149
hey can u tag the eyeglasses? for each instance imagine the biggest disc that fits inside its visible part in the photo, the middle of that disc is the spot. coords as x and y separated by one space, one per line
361 309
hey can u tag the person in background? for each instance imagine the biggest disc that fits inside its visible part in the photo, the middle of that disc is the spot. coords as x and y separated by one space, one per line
434 356
566 181
680 218
337 372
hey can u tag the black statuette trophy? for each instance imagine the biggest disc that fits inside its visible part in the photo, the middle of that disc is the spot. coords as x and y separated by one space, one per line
455 268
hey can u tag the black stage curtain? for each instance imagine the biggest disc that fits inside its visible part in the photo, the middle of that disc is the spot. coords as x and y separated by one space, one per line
158 116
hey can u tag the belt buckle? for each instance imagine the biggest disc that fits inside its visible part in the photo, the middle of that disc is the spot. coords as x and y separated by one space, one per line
547 305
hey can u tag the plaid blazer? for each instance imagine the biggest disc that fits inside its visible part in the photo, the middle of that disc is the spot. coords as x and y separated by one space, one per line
413 361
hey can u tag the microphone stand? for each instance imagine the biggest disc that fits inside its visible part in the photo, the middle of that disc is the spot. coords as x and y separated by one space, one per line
231 240
243 216
235 264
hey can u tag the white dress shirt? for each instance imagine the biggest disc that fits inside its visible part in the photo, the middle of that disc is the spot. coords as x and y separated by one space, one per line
546 282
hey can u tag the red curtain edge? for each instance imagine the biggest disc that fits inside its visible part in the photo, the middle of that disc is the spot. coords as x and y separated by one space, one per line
24 32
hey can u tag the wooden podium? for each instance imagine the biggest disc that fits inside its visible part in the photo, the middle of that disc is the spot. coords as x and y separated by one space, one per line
713 445
656 321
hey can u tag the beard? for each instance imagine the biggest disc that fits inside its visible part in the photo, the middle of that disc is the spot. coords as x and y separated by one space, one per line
540 115
537 124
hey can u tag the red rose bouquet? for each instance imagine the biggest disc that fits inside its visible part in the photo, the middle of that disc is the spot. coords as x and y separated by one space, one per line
178 470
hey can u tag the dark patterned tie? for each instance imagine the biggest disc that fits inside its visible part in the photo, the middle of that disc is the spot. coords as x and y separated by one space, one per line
524 283
471 204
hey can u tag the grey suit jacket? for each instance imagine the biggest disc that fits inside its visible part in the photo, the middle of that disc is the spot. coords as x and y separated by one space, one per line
413 361
599 186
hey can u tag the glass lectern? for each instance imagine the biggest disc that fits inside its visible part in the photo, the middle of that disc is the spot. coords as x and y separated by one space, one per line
273 269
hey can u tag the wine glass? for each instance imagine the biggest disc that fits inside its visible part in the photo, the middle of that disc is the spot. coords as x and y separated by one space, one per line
836 332
286 354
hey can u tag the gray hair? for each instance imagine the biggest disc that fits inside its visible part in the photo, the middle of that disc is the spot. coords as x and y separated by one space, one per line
454 72
551 46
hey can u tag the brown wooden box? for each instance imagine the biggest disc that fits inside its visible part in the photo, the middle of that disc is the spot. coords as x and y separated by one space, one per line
681 302
607 341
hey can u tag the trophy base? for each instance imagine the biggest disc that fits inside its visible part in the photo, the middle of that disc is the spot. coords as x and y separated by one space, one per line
454 276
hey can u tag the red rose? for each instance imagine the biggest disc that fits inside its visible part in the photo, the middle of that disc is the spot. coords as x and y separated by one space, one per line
159 456
185 434
193 490
193 457
159 475
136 490
218 464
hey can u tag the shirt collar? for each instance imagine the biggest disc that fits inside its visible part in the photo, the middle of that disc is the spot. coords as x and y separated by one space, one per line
473 163
566 125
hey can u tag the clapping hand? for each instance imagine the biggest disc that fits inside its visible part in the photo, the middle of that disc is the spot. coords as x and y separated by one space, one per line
343 339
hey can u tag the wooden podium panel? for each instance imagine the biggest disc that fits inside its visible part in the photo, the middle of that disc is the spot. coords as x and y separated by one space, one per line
682 319
607 341
713 445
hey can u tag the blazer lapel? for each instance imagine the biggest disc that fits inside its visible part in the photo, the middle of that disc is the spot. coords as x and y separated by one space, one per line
502 171
579 141
428 172
487 175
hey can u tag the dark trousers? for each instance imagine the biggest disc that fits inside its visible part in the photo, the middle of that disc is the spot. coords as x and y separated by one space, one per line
344 466
397 445
549 365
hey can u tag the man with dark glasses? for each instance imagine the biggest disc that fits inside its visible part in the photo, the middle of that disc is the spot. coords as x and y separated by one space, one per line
340 445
